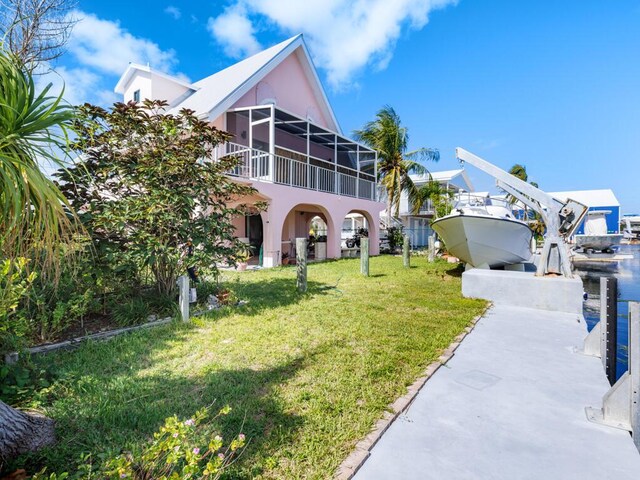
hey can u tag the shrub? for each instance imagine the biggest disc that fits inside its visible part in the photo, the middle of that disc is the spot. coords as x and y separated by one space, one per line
175 452
395 237
204 289
18 382
14 285
53 304
131 311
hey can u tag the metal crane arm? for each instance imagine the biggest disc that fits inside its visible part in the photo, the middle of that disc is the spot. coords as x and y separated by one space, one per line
544 199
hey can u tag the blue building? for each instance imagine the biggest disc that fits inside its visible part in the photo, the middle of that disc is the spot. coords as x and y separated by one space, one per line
596 200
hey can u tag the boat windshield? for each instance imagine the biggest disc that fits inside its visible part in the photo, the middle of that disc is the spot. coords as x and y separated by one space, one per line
479 204
470 199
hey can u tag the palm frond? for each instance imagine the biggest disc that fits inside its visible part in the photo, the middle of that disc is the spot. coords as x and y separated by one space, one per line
389 138
33 129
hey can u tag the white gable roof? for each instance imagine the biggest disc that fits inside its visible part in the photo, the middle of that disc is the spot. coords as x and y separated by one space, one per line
218 92
458 177
131 69
590 198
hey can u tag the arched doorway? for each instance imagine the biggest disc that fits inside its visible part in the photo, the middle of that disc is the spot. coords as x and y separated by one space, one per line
355 225
308 221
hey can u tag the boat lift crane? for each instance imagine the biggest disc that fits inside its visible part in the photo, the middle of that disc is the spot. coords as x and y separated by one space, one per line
561 218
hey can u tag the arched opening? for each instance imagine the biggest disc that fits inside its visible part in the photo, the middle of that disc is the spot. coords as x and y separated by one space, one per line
309 221
355 225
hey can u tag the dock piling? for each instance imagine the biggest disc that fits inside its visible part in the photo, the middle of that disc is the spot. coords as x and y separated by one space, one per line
301 264
406 252
621 404
609 312
364 256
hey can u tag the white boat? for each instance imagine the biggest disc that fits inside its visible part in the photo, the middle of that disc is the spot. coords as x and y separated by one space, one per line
596 236
482 233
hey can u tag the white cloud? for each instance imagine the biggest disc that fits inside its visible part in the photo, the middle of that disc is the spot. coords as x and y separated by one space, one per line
99 52
79 83
105 46
233 29
345 35
173 11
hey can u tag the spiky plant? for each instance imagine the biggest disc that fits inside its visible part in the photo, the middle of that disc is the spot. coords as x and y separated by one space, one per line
33 132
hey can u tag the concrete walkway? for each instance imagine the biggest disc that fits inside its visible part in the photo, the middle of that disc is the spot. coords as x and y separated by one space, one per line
509 405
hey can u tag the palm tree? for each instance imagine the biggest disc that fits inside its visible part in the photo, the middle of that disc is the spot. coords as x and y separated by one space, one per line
536 224
439 196
390 139
33 213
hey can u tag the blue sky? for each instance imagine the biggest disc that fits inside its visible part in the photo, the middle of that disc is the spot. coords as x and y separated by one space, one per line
554 85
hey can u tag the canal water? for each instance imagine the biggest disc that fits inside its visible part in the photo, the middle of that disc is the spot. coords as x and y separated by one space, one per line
628 274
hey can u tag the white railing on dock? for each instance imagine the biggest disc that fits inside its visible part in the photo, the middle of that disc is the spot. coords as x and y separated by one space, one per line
315 174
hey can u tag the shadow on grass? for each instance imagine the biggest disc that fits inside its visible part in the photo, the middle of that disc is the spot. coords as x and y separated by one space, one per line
103 401
457 271
269 293
127 413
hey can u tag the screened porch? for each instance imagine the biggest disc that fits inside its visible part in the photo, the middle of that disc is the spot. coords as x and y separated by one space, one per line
277 146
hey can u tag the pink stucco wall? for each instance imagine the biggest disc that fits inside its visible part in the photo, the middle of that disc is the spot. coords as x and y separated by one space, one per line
292 90
283 220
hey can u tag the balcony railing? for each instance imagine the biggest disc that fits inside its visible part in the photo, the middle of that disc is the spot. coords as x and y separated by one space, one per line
427 208
315 174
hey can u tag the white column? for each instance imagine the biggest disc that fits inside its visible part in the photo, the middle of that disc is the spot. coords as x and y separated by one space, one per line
272 142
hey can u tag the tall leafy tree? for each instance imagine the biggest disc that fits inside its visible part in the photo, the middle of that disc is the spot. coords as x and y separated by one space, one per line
146 194
33 214
390 139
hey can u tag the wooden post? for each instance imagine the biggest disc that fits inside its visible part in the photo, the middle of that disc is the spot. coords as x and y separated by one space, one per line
301 263
609 313
364 256
183 297
406 255
432 248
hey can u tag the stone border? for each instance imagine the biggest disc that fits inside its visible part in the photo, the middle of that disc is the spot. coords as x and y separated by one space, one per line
362 450
13 357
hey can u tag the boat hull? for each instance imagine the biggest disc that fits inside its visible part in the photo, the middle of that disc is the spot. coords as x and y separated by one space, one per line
484 240
598 242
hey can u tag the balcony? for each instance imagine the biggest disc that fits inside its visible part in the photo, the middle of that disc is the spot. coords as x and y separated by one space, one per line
427 208
316 174
288 150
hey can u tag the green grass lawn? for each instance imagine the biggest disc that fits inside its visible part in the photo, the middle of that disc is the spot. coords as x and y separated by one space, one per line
308 374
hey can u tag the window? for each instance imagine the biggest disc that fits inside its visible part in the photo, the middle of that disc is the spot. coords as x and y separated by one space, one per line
136 96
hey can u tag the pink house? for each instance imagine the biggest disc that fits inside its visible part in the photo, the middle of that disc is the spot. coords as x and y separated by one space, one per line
292 148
